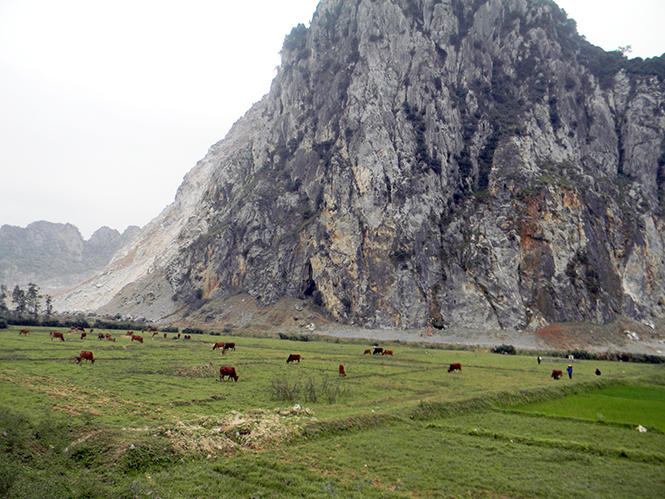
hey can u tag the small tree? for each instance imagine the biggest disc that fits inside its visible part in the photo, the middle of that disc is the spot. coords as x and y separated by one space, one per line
18 297
49 305
3 300
32 299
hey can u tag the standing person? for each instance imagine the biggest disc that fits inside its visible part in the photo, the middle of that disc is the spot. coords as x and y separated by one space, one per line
570 371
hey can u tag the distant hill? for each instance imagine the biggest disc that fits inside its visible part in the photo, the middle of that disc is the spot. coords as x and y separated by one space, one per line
55 255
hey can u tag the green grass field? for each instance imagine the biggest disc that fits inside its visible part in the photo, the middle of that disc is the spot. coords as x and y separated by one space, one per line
153 420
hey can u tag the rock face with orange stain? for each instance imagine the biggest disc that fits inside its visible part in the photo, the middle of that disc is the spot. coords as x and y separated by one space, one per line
421 163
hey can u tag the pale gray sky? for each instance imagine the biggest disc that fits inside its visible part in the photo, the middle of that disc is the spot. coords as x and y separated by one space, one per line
105 105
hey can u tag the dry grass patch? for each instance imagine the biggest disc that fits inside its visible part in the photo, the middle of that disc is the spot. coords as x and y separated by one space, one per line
253 430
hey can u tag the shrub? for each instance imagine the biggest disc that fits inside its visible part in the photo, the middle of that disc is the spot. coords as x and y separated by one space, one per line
281 390
3 323
504 349
582 354
293 337
192 330
51 323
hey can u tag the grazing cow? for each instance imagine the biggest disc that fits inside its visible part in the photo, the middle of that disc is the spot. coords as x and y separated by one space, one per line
137 338
83 335
228 346
597 372
129 333
110 338
100 336
556 374
85 355
164 335
341 370
369 350
219 344
155 334
24 332
455 367
57 335
79 328
377 350
293 358
387 352
228 371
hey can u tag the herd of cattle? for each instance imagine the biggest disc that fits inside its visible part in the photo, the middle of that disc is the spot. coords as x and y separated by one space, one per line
224 371
229 371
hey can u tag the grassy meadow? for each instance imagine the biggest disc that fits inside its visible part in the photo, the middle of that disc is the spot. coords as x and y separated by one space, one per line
153 420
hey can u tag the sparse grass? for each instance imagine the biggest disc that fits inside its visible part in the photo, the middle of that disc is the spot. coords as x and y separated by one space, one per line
153 420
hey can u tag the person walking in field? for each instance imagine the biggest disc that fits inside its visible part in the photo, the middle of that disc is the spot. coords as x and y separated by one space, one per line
570 371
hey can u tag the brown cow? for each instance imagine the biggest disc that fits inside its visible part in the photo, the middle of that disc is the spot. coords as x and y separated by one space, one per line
228 346
24 332
455 367
164 335
387 352
110 338
100 336
377 351
129 333
228 371
83 335
294 357
556 374
341 370
137 338
57 335
154 334
369 350
219 344
85 355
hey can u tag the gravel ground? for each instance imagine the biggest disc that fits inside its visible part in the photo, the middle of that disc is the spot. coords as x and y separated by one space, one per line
453 336
522 340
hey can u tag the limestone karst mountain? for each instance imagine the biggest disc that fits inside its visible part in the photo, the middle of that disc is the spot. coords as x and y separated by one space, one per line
55 255
451 162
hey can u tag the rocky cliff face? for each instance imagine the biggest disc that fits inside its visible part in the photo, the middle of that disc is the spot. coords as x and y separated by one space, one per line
444 162
55 256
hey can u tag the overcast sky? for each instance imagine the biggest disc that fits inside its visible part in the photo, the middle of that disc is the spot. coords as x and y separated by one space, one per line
105 105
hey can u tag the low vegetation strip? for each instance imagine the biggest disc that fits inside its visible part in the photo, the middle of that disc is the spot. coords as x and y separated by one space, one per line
613 452
504 399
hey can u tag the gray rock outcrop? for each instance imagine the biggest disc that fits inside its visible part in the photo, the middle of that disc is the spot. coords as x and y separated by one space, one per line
443 162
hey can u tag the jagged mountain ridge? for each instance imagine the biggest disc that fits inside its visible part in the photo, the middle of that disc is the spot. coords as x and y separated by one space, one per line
451 162
55 255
